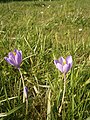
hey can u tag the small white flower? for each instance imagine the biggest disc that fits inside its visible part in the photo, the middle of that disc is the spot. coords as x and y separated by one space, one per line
49 6
61 6
41 12
80 29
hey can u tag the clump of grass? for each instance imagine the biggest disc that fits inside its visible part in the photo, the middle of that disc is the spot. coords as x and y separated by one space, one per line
42 33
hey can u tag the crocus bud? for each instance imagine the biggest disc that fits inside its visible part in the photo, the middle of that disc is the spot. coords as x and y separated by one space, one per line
25 92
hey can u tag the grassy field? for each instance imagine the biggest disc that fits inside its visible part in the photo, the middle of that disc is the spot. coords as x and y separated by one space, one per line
44 31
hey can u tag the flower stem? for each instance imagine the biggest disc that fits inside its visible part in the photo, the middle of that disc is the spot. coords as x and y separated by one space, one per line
26 106
60 108
21 77
49 105
23 92
22 82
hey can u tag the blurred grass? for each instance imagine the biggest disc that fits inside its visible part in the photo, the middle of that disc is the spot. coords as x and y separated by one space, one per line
45 31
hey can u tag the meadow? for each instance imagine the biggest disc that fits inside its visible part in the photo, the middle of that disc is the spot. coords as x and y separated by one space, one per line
45 31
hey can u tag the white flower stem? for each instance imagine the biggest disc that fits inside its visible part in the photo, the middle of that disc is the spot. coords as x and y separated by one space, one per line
23 92
26 106
21 77
23 83
60 108
49 105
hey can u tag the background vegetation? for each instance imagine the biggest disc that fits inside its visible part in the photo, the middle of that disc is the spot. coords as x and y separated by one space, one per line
24 0
45 31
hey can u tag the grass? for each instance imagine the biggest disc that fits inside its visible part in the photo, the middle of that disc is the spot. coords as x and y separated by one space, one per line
45 31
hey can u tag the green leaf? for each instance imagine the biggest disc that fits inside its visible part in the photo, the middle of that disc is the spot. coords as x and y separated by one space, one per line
11 111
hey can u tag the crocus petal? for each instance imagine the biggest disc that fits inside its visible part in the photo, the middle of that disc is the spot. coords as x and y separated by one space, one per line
60 67
10 54
56 61
70 65
15 50
66 68
10 61
61 60
11 57
69 59
18 58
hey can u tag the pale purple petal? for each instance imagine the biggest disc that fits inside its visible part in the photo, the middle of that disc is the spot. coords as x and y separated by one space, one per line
15 50
66 68
10 54
69 59
18 58
60 67
61 60
11 57
56 61
70 65
10 61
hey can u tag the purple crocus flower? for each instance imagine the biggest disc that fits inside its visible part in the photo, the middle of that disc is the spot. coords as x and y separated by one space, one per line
25 92
64 65
14 58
